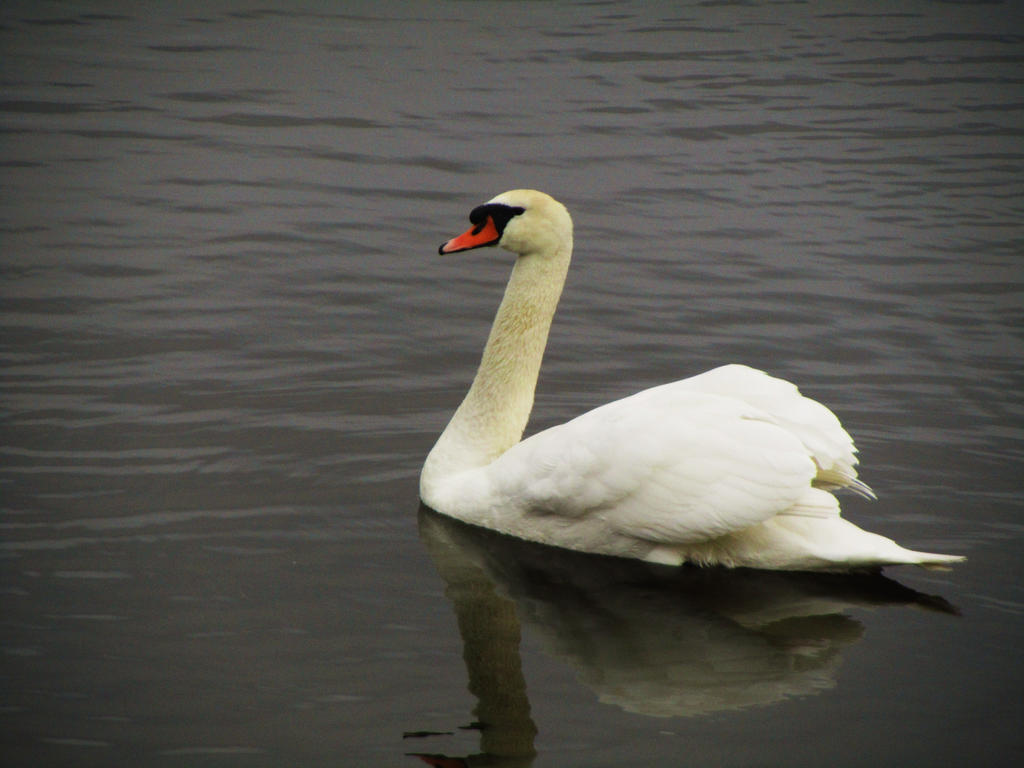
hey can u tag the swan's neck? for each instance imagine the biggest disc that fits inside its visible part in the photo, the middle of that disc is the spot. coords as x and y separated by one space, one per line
494 413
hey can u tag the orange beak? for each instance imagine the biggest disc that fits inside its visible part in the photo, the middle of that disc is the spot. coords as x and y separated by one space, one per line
480 235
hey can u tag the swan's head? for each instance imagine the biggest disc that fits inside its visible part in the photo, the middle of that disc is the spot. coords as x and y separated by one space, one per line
523 221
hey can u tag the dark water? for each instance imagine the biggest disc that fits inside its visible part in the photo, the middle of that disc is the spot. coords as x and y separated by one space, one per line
227 344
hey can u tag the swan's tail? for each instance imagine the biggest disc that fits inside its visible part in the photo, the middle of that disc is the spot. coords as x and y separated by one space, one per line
932 561
817 520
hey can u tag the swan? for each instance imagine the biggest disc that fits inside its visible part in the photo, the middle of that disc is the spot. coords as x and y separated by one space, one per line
732 467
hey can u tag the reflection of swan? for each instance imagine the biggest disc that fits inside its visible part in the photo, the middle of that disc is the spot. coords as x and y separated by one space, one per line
730 467
652 640
489 628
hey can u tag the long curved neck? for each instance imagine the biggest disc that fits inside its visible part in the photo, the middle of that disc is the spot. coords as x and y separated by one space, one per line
495 411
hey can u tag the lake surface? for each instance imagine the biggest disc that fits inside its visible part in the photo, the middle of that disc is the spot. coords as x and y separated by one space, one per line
228 343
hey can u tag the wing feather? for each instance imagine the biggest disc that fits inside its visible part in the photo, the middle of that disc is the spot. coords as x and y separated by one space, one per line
816 426
667 465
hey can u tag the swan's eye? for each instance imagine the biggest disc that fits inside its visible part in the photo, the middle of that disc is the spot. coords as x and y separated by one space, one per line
499 213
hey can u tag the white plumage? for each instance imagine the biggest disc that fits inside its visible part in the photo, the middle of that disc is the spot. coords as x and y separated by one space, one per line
730 467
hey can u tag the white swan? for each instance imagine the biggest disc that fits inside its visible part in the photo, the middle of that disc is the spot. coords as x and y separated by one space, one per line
731 467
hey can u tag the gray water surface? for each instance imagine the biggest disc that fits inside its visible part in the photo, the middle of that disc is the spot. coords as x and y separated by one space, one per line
227 344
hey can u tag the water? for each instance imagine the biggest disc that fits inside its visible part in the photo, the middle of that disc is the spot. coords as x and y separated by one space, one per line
228 344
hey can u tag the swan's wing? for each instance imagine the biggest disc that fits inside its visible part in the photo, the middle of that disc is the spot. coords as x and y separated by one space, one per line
812 423
668 465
